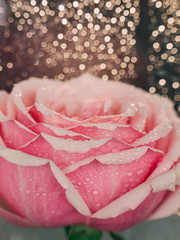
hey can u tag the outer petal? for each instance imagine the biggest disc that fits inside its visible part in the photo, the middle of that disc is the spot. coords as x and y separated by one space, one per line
99 184
131 217
12 217
38 191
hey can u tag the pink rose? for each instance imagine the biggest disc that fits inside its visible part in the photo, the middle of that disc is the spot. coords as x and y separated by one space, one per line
104 154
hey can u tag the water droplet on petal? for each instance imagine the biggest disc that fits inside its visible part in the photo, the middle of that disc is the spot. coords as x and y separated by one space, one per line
129 174
95 192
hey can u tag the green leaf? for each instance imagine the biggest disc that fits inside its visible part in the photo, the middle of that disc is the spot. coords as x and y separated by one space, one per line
116 236
82 233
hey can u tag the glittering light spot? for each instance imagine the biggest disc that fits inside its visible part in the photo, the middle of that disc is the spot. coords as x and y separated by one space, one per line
155 33
171 20
152 89
108 4
158 4
60 36
33 3
63 45
161 28
156 45
169 46
162 82
114 71
171 58
107 38
175 85
55 43
61 7
9 65
81 66
105 77
75 4
64 21
44 2
132 10
79 26
177 38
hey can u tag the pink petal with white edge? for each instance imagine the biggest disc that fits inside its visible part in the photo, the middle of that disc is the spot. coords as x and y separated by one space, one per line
160 131
121 119
100 184
173 154
14 134
171 204
17 110
139 120
42 114
123 157
123 133
3 101
135 197
131 217
36 177
22 96
64 152
39 128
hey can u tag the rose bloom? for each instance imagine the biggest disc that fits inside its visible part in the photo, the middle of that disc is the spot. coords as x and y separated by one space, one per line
85 151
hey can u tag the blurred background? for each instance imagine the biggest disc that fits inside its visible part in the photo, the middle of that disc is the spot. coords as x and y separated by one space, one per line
134 41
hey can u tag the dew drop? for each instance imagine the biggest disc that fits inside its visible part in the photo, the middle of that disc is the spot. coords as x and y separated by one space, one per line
129 174
95 192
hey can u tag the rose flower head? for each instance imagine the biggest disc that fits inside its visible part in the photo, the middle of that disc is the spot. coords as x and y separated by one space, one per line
86 151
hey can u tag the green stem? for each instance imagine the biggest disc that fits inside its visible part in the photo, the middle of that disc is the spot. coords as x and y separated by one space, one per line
82 233
116 236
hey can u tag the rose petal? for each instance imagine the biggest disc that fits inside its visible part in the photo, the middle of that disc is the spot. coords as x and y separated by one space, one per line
36 192
99 184
131 217
123 133
14 134
173 154
57 132
14 218
135 197
64 152
169 206
160 131
123 157
41 114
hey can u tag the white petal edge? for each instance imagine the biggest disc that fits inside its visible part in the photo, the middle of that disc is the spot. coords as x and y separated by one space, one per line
4 118
73 146
16 95
160 131
60 131
122 157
